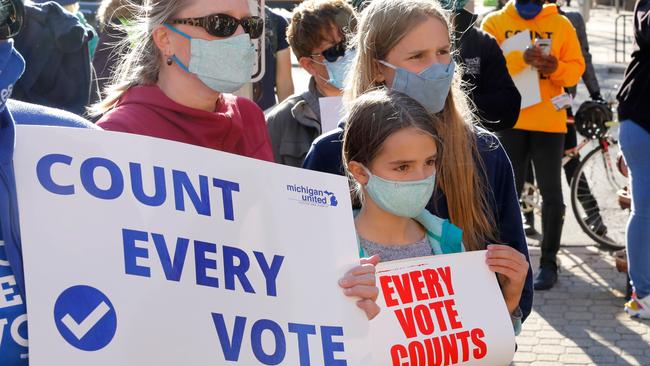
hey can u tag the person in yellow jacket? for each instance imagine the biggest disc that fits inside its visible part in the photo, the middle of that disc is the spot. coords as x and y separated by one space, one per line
539 132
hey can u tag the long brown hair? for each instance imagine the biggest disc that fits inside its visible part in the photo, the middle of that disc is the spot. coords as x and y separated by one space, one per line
382 26
373 117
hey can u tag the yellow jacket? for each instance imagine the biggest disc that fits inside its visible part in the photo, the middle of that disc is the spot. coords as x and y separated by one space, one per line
548 23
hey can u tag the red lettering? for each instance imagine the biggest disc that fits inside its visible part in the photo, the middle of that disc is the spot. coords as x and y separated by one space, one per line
463 338
452 314
416 354
424 319
387 291
450 347
445 274
403 287
405 318
477 338
418 285
432 282
434 353
436 306
397 354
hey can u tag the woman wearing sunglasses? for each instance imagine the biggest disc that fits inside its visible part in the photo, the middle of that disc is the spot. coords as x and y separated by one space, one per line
178 66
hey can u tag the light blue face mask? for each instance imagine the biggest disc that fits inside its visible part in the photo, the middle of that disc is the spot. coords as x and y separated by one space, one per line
224 65
430 87
405 199
338 70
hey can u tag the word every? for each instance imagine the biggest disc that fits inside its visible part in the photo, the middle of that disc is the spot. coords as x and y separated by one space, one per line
426 308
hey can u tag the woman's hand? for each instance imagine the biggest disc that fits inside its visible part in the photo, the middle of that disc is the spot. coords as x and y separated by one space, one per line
360 282
511 268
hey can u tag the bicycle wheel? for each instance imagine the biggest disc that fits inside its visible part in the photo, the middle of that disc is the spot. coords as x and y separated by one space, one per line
594 198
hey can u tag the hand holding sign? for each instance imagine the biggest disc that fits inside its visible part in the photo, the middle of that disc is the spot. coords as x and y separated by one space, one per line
360 282
511 268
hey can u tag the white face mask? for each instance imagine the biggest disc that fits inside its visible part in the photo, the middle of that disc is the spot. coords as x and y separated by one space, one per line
223 65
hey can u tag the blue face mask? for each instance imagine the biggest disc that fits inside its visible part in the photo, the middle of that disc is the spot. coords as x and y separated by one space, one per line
528 10
405 199
430 87
338 69
224 65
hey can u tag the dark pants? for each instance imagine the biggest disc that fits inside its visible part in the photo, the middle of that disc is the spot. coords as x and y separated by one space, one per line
545 150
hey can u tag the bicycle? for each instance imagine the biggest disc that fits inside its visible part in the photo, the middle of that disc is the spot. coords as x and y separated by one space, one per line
597 180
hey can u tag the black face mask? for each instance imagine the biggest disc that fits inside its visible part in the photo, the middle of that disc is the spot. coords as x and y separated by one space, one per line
12 15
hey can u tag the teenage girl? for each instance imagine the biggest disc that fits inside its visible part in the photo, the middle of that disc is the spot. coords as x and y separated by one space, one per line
390 150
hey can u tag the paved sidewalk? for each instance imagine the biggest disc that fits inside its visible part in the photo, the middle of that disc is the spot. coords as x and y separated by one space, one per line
581 320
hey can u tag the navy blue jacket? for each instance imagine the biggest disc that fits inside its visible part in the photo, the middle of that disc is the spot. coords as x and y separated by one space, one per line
325 156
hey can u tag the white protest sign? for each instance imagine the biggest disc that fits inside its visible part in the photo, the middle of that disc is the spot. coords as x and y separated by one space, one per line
527 81
331 112
441 310
141 251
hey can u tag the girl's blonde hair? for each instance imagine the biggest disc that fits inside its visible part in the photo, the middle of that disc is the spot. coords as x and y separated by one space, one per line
139 57
382 26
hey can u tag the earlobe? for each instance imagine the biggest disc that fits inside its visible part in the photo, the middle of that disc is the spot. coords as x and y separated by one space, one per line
358 172
161 40
307 64
379 75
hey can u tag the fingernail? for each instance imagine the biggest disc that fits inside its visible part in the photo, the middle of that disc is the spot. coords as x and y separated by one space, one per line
343 282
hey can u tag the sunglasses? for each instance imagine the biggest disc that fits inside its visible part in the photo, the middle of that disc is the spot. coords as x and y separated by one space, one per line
333 53
224 25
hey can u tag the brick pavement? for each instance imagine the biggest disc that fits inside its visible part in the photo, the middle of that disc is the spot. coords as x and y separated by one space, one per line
580 321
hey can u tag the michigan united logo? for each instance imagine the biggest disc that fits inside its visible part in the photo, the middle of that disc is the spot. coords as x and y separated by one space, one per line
313 196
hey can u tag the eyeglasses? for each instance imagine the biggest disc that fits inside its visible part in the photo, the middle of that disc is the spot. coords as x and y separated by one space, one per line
224 25
333 53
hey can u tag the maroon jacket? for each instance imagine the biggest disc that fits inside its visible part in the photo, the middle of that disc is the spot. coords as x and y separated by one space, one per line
237 126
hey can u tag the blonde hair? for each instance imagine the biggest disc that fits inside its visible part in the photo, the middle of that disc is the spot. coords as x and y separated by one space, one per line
382 26
112 10
139 57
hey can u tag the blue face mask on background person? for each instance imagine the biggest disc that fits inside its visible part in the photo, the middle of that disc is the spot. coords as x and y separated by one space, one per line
338 69
405 199
224 65
430 87
528 10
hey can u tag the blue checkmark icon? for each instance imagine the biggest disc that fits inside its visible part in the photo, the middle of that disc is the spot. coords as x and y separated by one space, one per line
85 318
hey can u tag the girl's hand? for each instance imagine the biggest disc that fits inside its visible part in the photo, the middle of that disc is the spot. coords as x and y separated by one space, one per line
360 282
511 268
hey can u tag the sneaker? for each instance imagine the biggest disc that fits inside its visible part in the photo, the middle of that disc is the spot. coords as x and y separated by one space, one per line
638 308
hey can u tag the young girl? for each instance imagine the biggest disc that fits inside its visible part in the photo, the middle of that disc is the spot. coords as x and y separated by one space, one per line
405 45
390 150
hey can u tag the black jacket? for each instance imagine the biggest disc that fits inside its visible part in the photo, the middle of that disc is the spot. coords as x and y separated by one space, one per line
492 90
54 44
634 96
